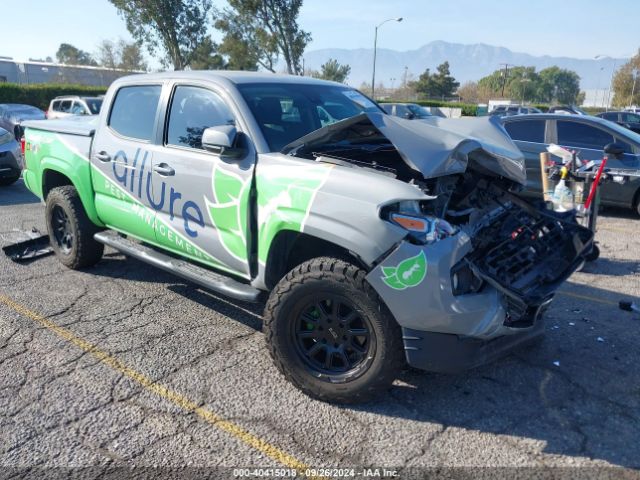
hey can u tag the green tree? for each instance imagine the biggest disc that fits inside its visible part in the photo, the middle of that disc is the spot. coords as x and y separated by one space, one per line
439 84
623 83
332 70
74 56
520 83
446 85
131 57
424 85
262 31
206 57
175 27
558 84
108 54
121 54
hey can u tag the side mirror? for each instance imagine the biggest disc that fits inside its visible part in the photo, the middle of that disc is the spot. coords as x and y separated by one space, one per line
614 149
409 115
221 140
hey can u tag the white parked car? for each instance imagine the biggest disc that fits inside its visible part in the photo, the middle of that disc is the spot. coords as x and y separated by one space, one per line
61 107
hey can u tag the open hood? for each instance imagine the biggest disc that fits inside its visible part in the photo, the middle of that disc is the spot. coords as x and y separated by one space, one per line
434 147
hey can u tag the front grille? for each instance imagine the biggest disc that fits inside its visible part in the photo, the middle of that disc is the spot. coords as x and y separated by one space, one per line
526 255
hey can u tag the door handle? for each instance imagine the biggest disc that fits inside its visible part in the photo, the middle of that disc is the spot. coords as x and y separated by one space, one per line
103 156
164 170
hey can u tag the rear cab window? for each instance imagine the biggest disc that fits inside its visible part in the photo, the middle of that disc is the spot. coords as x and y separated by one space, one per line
526 130
133 113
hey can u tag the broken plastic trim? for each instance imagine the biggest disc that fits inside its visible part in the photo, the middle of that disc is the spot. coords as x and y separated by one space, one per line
30 249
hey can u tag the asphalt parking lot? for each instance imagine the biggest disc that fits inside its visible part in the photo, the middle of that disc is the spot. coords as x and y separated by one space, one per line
125 365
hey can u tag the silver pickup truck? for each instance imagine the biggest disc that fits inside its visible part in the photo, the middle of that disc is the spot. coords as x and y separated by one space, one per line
379 240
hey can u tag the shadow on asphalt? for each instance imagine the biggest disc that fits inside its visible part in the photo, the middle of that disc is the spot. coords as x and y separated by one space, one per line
588 406
612 267
114 265
16 194
617 212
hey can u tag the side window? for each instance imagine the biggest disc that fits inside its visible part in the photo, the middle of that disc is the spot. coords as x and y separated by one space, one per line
55 106
401 111
526 130
78 108
65 106
610 116
631 117
625 145
193 109
134 111
580 135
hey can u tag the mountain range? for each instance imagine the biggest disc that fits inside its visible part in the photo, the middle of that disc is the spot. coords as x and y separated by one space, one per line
467 63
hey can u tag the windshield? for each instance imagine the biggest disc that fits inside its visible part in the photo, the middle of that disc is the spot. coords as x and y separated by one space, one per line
418 111
94 105
286 112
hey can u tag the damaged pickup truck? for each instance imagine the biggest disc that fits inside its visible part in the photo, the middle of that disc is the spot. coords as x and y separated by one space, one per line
380 240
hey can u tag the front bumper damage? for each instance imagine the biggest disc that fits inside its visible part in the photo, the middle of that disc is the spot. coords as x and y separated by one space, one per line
511 267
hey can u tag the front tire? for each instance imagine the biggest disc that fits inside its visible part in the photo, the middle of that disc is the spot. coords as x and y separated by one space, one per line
70 229
329 333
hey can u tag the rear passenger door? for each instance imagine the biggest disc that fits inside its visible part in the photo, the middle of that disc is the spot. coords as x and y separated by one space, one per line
203 198
121 161
530 137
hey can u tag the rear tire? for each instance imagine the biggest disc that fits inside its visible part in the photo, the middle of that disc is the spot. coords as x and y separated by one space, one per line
326 306
70 230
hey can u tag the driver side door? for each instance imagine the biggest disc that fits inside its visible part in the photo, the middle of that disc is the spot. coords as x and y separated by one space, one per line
202 198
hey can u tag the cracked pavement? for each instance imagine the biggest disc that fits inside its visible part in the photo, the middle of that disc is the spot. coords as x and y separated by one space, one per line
61 406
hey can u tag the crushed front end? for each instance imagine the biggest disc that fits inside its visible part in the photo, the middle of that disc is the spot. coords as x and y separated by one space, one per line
480 285
477 265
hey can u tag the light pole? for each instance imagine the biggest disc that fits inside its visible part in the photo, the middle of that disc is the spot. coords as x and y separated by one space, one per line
375 48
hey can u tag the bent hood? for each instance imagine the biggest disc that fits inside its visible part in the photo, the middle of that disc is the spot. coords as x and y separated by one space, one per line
434 147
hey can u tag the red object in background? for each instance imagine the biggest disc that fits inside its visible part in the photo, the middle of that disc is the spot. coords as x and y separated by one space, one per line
22 142
596 181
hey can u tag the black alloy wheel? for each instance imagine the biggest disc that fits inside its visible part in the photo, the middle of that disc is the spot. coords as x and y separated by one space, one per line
62 230
333 340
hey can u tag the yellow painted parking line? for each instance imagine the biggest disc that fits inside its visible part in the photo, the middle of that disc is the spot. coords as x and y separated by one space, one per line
174 397
585 297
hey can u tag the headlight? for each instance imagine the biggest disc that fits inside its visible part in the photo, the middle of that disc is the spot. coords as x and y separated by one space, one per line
423 228
6 137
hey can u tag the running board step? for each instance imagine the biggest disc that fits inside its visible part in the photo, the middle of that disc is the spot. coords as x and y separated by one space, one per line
202 276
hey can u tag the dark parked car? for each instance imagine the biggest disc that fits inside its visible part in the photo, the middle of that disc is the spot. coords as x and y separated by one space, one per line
628 120
586 134
13 114
10 158
509 110
411 111
567 110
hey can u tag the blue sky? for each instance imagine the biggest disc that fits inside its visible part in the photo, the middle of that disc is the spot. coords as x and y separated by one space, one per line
575 28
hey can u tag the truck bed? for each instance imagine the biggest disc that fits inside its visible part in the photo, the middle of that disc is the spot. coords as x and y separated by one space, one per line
82 126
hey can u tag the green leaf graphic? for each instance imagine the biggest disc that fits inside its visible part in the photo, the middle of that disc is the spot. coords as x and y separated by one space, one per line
409 273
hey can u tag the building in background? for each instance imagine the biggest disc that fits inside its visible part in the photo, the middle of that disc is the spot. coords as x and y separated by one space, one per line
45 72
